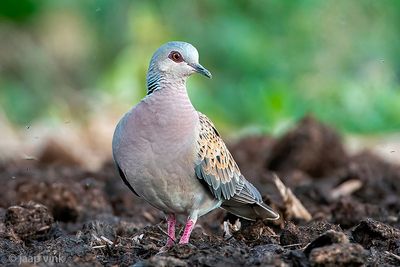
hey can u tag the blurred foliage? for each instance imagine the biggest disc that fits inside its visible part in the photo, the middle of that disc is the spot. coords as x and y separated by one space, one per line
272 61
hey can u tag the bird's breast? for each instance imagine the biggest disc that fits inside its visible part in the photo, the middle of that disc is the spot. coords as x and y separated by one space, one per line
156 150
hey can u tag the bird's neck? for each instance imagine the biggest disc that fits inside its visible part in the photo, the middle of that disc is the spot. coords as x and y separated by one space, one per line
158 80
169 91
170 105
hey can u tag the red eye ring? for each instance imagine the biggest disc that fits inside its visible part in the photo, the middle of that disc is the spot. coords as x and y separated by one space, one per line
175 56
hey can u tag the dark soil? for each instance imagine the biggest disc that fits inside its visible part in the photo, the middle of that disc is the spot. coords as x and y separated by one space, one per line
53 212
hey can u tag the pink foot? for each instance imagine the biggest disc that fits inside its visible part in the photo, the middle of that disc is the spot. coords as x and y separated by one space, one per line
186 233
171 221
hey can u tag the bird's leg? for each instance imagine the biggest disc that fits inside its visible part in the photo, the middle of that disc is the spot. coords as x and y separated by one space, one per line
188 230
171 221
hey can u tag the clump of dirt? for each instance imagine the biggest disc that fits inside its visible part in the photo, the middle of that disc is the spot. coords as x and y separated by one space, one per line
370 233
300 236
380 180
28 221
328 238
255 234
349 212
339 255
87 218
311 147
54 153
67 200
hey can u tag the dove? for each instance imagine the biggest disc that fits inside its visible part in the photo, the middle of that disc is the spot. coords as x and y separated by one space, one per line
172 156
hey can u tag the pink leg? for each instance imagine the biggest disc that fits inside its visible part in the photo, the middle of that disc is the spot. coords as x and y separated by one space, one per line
171 221
188 230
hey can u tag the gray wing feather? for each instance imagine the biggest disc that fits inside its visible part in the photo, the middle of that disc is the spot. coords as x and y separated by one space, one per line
216 166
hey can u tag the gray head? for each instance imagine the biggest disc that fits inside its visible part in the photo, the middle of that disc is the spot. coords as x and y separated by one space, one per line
174 60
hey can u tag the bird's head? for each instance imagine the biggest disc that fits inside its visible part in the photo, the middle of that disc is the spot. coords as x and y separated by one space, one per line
176 60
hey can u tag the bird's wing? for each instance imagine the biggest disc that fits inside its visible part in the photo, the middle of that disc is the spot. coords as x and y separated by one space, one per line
216 166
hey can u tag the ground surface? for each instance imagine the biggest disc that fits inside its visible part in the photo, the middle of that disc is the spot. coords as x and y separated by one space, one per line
53 211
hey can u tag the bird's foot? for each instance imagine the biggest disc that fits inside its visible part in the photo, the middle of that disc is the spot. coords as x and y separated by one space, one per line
171 220
186 233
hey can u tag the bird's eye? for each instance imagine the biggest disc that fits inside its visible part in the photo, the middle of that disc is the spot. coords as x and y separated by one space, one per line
176 56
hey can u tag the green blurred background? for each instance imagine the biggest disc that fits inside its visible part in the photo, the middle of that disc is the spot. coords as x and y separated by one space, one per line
272 61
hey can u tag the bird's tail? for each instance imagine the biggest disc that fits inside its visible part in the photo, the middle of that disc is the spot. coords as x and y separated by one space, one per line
252 212
248 204
265 212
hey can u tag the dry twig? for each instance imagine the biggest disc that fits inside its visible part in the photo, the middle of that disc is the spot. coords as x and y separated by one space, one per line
345 189
397 257
292 203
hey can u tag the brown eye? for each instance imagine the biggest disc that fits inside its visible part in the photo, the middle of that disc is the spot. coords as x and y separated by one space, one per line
176 56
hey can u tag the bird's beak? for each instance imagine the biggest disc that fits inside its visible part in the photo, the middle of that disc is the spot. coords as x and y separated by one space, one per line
200 69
